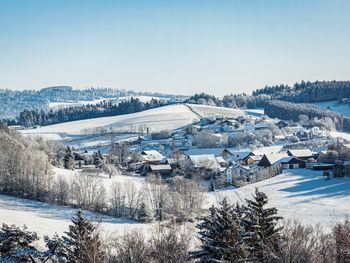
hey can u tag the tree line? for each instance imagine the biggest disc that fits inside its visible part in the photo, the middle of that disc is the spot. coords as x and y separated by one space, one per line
303 92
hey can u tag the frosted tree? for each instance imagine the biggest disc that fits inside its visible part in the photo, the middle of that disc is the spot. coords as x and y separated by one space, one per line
82 243
261 232
221 235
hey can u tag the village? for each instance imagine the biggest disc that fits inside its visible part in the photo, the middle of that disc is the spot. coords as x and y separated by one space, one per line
224 151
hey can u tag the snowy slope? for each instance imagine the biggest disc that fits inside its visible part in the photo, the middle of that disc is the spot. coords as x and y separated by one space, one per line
302 194
47 219
206 111
163 118
334 106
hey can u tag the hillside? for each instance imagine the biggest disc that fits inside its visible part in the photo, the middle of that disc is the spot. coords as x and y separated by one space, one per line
344 109
163 118
301 194
47 219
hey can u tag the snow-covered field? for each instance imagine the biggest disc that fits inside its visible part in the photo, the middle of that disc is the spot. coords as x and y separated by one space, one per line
164 118
300 194
47 219
205 111
334 106
255 112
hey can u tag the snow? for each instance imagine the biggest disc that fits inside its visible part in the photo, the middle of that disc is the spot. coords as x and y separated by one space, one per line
342 135
335 106
139 182
206 111
299 194
48 219
163 118
255 112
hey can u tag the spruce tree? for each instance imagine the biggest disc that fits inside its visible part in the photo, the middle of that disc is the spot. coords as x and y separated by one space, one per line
80 244
69 159
261 232
16 244
143 215
221 235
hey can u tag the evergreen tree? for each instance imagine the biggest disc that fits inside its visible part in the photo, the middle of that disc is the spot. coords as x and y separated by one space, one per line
80 244
98 159
221 235
261 232
143 215
16 244
69 159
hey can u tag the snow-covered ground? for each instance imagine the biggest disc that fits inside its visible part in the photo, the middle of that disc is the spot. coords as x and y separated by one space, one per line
300 194
48 219
137 181
335 106
255 112
163 118
206 111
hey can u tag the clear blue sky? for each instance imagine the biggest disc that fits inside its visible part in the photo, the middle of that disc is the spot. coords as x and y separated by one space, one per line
177 46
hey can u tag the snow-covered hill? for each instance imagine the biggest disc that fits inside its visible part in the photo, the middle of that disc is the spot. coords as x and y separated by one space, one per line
47 219
207 111
164 118
335 106
301 194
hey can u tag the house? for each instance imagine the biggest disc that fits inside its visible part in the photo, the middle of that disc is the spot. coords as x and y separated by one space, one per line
304 135
251 159
221 161
162 169
292 162
240 172
79 160
271 159
303 154
263 125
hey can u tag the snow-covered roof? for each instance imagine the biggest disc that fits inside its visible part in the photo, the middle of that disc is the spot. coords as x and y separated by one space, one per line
201 151
220 159
160 167
301 153
276 157
152 155
207 161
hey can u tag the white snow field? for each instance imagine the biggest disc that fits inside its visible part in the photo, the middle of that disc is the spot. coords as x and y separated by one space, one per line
48 219
335 106
206 111
164 118
300 194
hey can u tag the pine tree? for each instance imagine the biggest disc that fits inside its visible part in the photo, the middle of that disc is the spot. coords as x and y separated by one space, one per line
262 234
17 243
221 235
80 244
143 215
69 159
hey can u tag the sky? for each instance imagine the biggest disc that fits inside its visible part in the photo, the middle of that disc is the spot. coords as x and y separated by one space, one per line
172 46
